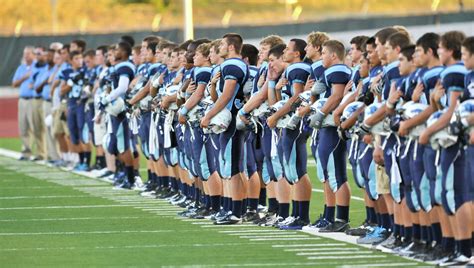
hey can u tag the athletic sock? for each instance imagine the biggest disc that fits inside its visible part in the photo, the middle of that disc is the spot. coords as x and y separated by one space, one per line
130 175
304 211
284 210
450 244
81 158
295 207
436 232
330 212
87 158
272 205
424 233
166 181
409 233
136 172
100 161
372 216
343 213
262 200
237 208
207 199
215 202
464 247
244 206
252 204
416 231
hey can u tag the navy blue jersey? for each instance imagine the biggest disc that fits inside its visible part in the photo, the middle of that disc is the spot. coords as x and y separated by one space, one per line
124 68
249 86
234 69
296 73
337 74
410 82
202 75
452 79
261 71
373 73
76 88
429 79
390 74
317 74
155 68
355 77
142 69
169 77
469 86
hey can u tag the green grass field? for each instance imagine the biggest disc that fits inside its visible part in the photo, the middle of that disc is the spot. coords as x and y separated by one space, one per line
50 217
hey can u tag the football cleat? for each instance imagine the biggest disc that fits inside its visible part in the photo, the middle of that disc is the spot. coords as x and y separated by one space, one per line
336 226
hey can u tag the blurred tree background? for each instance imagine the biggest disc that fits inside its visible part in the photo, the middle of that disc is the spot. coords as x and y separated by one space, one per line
100 16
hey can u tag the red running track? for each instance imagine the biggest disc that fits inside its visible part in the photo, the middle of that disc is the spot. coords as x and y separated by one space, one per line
8 117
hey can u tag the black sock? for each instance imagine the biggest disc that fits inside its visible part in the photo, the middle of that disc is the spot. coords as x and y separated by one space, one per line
409 233
100 161
136 172
130 175
237 208
224 203
252 204
450 244
325 211
416 231
367 212
343 213
262 200
166 181
215 202
244 205
424 233
372 215
295 208
330 212
87 158
464 247
304 211
284 210
272 205
149 175
208 202
436 232
386 222
81 158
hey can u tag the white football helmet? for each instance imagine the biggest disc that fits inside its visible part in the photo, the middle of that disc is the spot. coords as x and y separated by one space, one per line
305 98
171 90
145 103
441 138
318 88
195 114
115 107
410 110
221 121
283 121
329 119
351 109
262 110
380 128
464 110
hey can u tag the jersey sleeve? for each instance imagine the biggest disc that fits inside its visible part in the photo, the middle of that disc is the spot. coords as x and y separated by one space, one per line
454 82
338 77
126 71
203 77
232 72
298 75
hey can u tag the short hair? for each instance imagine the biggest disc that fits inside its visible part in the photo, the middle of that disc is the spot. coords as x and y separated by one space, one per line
277 50
427 41
51 50
300 45
80 43
137 49
204 49
102 48
56 45
111 47
468 44
66 47
129 39
453 40
370 41
215 44
272 40
398 40
359 42
152 46
125 47
151 38
184 45
408 52
384 33
317 39
335 46
198 42
74 53
234 40
402 29
89 53
251 52
170 46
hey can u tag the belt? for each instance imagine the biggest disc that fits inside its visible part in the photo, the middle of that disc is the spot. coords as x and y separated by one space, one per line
46 100
26 98
38 98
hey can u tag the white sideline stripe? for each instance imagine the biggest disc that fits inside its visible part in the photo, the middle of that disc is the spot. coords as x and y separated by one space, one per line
249 231
308 245
229 226
346 257
71 219
339 237
42 197
257 234
378 265
64 207
202 223
348 253
161 209
273 236
320 249
285 239
91 232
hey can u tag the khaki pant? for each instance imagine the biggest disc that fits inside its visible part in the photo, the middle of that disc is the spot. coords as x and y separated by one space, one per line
59 121
25 125
38 127
51 144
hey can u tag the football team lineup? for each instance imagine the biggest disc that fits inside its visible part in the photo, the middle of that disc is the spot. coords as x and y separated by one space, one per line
290 151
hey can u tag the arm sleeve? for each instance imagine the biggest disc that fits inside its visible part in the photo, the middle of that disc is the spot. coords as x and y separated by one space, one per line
121 89
454 82
17 74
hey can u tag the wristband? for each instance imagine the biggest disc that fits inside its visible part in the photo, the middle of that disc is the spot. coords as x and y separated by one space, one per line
390 105
242 112
183 111
272 84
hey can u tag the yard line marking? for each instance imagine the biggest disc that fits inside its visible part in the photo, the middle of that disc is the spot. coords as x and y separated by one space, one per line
63 207
308 245
274 236
71 219
352 197
91 232
285 239
378 265
335 253
256 234
346 257
320 249
42 197
229 226
249 231
202 222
